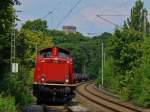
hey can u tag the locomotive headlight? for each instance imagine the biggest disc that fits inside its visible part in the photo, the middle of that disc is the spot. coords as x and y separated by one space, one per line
67 79
43 79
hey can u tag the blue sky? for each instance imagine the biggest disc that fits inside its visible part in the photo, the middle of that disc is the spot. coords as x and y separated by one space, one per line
83 16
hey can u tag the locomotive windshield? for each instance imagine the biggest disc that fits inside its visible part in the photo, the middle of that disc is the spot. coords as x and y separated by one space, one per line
46 52
59 52
64 53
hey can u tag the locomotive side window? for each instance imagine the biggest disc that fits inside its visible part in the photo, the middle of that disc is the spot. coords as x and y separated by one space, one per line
46 53
63 53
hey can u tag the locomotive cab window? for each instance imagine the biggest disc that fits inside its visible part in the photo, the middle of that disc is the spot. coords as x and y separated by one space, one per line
46 53
63 53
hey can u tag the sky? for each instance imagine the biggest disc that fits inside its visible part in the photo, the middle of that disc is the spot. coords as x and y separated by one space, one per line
83 16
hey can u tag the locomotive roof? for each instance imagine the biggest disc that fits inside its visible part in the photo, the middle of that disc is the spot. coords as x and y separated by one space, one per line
62 49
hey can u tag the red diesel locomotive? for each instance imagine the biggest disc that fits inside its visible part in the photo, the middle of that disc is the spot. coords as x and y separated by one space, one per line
54 76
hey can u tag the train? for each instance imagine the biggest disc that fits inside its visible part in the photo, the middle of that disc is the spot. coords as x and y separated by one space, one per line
54 78
81 77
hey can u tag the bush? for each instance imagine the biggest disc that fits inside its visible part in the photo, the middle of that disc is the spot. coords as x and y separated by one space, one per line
7 104
110 79
141 89
140 92
19 85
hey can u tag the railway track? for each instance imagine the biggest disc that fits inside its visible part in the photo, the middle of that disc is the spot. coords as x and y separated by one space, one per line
69 107
55 108
47 108
62 108
110 105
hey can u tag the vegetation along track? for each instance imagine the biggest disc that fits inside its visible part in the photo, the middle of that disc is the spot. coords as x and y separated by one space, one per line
84 91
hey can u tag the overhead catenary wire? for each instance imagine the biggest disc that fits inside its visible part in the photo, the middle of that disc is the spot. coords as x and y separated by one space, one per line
103 17
51 11
106 20
70 11
112 22
109 21
114 15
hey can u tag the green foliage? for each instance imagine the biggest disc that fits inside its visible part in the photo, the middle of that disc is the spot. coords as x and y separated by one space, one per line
111 81
110 76
104 37
37 25
61 37
138 19
7 104
7 18
19 85
141 82
127 71
126 50
22 82
27 42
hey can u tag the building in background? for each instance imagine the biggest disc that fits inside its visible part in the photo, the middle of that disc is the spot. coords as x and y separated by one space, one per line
69 29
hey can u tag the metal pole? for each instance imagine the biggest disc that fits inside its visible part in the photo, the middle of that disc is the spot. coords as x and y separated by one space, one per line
14 46
102 63
13 63
13 50
104 57
145 22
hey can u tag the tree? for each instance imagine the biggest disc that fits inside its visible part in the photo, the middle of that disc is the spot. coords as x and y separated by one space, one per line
7 14
19 85
127 53
104 36
27 42
127 50
140 87
7 19
138 19
36 25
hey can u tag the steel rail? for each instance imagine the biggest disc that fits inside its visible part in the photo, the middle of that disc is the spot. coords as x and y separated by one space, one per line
96 102
105 99
117 103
